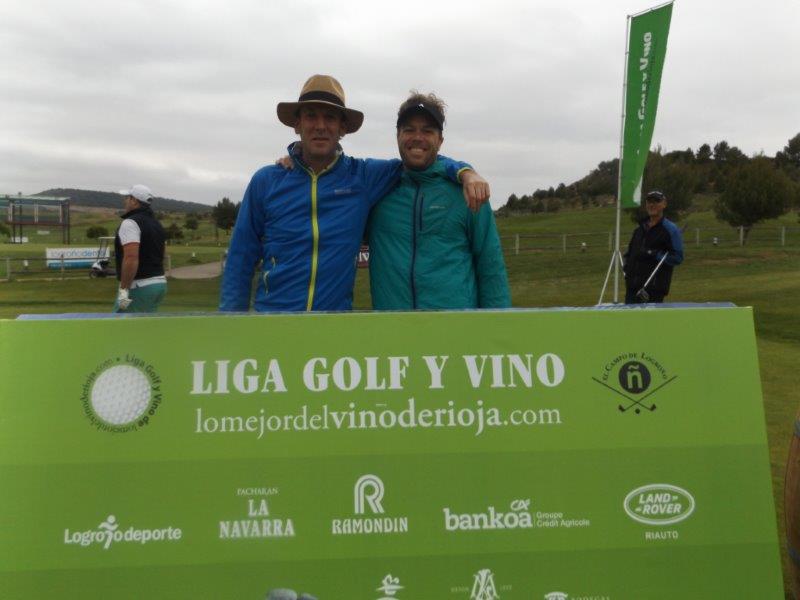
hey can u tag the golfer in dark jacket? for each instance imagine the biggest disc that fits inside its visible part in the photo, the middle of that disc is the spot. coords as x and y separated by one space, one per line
654 238
139 254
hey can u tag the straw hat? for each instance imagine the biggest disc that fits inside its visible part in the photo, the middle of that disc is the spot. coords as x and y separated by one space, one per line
320 89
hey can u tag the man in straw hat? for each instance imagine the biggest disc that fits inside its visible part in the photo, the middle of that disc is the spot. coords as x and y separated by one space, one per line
305 224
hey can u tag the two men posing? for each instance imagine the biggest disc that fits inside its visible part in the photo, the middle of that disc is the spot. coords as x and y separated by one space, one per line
306 224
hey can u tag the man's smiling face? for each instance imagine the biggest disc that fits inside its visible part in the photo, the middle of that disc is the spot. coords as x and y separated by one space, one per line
419 140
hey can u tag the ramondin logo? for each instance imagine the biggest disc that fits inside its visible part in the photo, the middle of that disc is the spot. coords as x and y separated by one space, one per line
108 532
659 504
556 596
636 376
121 394
369 489
368 496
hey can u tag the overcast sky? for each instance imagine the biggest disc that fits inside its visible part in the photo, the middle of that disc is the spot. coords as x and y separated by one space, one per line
180 95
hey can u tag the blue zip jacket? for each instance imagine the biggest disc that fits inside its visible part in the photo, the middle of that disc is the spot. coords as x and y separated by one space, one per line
306 229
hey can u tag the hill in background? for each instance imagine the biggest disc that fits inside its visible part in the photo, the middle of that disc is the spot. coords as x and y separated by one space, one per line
682 175
96 199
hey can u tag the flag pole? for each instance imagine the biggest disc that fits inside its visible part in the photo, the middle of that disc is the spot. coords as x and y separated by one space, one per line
616 255
616 262
617 258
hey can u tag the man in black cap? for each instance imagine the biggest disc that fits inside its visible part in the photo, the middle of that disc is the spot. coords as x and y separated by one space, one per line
427 249
655 248
139 253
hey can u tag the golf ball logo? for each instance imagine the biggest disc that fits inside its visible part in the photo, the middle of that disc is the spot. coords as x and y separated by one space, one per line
121 394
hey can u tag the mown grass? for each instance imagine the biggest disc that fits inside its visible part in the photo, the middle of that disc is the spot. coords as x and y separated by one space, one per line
763 275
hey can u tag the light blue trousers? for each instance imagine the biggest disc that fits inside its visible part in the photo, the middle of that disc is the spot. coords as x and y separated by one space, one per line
145 299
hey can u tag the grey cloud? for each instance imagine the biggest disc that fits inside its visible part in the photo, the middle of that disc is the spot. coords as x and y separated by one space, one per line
182 94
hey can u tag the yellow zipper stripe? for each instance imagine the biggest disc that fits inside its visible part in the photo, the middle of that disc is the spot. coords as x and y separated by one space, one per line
315 249
312 283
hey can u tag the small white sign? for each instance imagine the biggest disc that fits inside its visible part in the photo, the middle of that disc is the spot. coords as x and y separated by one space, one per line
74 258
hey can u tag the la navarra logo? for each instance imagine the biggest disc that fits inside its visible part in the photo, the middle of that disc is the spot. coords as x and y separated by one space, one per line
635 378
121 394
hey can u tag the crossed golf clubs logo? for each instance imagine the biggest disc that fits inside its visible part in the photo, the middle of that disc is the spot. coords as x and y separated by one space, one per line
634 378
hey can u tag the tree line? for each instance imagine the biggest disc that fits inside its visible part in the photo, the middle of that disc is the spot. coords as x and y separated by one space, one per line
749 189
173 231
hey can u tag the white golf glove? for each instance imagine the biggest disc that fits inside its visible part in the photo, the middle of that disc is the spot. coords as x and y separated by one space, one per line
123 299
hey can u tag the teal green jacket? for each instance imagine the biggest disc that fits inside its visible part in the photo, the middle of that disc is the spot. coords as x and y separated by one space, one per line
429 251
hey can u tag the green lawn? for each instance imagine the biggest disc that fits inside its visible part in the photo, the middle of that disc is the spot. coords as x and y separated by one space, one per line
764 276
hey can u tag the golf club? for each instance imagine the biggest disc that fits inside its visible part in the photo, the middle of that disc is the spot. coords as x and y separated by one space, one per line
636 403
642 293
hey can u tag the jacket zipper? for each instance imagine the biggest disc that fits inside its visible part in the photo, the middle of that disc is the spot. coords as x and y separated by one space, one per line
414 243
312 282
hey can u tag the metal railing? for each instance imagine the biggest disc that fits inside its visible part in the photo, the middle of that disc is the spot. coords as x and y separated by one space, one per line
565 243
49 269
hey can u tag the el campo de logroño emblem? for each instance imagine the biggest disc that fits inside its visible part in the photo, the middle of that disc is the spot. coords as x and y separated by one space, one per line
635 378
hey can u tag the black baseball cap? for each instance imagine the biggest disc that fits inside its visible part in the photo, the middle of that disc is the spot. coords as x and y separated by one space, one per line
422 108
656 196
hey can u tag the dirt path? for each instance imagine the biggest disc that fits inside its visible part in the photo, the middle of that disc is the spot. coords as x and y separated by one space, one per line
204 271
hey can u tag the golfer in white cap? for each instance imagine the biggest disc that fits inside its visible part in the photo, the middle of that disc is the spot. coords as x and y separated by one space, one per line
139 254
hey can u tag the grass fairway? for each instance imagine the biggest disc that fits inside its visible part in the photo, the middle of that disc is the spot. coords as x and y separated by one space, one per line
765 277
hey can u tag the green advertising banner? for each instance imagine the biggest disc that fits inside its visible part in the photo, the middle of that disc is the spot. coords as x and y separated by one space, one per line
647 48
552 454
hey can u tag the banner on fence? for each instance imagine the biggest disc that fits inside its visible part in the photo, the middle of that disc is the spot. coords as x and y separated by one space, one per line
647 48
520 454
73 258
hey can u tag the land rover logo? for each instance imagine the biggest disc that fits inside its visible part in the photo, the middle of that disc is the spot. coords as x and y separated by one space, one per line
659 504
